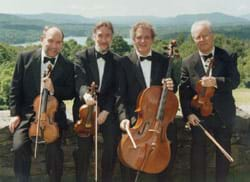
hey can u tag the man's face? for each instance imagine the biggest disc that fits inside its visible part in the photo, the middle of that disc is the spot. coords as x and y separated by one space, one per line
143 40
203 39
103 38
52 42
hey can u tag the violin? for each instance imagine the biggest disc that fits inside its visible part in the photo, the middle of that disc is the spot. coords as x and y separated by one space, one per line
87 114
44 128
145 147
202 100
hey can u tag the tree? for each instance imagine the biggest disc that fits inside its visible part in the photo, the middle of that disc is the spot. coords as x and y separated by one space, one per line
119 45
70 48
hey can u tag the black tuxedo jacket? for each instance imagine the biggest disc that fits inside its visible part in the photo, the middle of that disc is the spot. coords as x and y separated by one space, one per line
86 71
227 77
131 81
27 79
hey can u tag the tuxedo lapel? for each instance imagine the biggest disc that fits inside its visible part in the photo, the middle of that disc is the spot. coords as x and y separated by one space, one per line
35 67
58 68
93 65
218 63
137 69
198 65
155 69
107 72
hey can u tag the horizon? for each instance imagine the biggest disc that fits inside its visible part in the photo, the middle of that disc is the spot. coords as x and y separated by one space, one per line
97 8
122 15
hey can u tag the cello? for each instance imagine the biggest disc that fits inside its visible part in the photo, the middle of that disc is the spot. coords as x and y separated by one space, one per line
44 129
145 147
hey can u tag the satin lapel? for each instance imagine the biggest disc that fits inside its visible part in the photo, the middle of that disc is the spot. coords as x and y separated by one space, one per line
57 68
93 65
107 72
217 64
154 69
198 65
137 70
35 67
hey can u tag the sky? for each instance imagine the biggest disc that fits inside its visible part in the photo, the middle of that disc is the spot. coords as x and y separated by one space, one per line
93 8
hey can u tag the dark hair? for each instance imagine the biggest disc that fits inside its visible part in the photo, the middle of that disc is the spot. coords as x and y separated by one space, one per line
107 24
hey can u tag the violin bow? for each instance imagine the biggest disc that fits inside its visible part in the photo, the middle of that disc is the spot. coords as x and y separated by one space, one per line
225 153
46 74
130 136
96 143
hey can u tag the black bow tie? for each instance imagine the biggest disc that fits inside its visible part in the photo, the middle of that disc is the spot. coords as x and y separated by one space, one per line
48 59
149 58
100 55
205 57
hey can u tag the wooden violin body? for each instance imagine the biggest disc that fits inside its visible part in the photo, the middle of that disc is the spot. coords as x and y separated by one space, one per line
44 128
202 100
86 125
152 154
44 125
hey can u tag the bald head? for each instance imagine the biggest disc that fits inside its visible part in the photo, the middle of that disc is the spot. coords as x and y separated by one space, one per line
52 41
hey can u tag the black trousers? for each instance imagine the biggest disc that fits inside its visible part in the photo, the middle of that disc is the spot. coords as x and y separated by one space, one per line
23 155
82 155
129 175
222 134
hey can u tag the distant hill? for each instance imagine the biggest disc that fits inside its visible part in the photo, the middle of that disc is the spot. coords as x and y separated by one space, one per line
6 19
247 16
218 19
21 28
58 18
180 20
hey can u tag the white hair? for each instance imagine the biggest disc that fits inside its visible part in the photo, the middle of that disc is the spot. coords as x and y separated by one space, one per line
204 23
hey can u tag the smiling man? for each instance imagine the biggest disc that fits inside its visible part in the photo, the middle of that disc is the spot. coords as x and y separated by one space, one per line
97 64
223 77
141 69
27 83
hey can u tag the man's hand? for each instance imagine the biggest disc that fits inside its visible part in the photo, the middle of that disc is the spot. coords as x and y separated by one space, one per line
208 81
124 124
89 100
48 84
102 117
193 119
14 122
168 82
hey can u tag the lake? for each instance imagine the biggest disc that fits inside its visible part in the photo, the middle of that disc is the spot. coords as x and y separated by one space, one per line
80 40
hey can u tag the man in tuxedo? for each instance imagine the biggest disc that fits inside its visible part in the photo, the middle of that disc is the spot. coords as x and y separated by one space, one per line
139 70
224 77
97 64
26 85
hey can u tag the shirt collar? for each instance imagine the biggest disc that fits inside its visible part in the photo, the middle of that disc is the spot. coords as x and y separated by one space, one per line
43 54
202 54
139 55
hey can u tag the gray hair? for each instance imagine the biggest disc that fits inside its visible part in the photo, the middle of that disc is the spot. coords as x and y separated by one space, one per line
144 25
204 23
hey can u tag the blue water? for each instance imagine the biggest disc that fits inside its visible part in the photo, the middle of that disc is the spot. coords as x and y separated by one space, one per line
80 40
